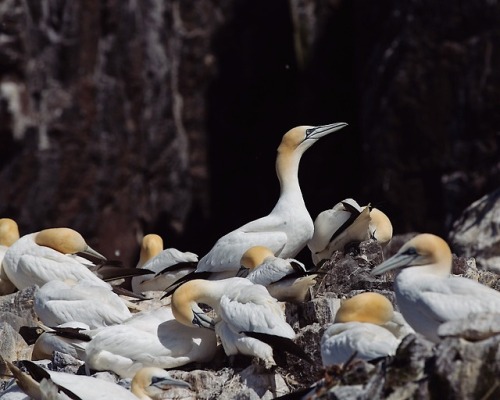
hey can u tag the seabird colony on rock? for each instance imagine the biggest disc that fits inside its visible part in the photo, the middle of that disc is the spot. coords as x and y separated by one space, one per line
231 295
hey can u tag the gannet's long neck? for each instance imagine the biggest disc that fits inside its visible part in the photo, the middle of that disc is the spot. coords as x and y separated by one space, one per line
211 292
138 385
287 169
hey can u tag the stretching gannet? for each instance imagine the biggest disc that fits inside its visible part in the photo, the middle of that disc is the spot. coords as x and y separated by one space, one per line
145 341
88 388
347 222
289 226
358 328
59 302
426 294
285 279
40 257
169 265
9 234
249 320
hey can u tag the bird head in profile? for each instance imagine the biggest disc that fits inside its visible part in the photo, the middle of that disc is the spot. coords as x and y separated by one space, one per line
302 137
424 250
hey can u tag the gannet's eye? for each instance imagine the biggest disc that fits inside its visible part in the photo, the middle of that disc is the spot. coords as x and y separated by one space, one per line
411 252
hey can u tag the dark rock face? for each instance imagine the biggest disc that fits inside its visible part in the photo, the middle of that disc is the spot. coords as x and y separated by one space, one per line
102 115
428 87
476 232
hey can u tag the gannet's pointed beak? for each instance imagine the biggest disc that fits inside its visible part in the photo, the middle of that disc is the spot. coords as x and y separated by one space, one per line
165 383
91 252
203 320
242 272
398 260
320 131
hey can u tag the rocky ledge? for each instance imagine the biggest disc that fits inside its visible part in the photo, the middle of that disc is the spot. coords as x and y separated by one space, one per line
466 364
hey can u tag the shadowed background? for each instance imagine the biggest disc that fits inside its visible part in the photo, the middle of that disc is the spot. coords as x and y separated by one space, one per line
125 118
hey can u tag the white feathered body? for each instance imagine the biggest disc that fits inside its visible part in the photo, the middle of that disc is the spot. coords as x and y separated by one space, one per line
56 303
341 340
26 264
166 258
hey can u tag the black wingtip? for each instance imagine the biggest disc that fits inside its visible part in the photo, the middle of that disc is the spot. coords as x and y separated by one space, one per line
186 278
38 373
281 344
125 292
71 333
177 267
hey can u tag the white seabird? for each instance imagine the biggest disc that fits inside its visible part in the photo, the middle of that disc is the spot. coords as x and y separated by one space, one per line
426 294
285 279
151 339
359 330
9 234
289 226
89 388
168 265
59 302
40 257
347 222
249 320
49 341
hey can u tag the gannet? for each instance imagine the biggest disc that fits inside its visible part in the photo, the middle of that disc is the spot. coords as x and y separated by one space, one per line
249 320
89 388
169 265
49 341
380 227
9 234
426 294
358 328
347 222
40 257
146 341
285 279
288 227
59 302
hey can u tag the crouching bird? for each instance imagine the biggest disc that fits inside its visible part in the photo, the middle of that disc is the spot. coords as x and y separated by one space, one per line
249 320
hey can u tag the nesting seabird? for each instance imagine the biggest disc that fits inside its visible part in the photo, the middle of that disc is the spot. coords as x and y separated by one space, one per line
151 339
347 222
249 320
9 234
83 387
426 294
167 265
285 279
358 330
40 257
59 302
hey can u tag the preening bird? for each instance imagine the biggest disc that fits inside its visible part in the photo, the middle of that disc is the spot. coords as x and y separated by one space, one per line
288 227
88 388
285 279
359 330
347 222
9 234
168 265
249 320
97 306
426 294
